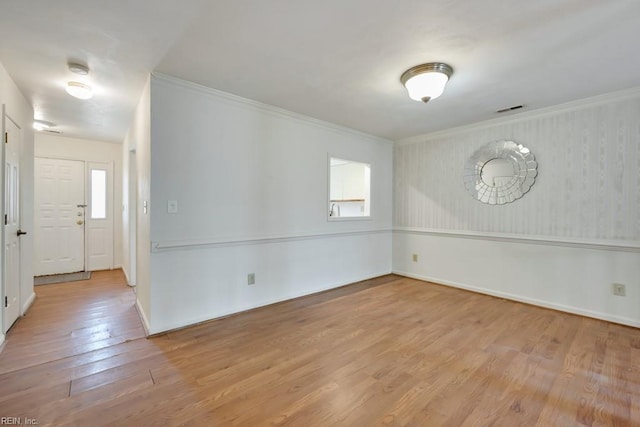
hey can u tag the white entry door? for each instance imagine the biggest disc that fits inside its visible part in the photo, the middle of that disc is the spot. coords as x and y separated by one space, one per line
99 220
59 216
12 230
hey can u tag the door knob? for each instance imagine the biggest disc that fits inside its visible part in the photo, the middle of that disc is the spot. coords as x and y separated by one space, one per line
79 222
20 233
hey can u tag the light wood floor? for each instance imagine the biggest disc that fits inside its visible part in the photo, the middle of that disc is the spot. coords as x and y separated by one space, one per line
390 351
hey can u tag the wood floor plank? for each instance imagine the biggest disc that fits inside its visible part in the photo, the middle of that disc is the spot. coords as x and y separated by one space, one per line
386 351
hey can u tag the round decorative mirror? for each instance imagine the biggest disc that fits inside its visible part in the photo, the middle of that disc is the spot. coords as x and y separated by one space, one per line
500 172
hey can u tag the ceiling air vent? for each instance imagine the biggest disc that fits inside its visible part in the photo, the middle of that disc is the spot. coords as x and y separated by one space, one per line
505 110
57 132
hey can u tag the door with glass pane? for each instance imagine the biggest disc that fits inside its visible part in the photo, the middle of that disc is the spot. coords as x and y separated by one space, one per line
99 216
59 216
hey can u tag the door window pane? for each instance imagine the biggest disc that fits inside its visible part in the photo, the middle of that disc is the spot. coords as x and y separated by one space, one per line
98 194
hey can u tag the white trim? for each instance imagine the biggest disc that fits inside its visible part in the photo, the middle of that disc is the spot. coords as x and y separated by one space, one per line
126 275
124 271
77 158
1 342
27 305
263 303
110 210
143 318
527 115
177 244
266 108
609 245
539 303
2 236
347 218
3 276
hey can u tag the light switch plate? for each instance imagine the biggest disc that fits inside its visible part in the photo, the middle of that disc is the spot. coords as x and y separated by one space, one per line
172 206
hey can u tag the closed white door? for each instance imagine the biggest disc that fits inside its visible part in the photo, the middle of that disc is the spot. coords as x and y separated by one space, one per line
59 216
12 230
99 218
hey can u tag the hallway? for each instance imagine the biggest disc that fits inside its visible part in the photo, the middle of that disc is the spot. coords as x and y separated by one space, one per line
72 331
70 319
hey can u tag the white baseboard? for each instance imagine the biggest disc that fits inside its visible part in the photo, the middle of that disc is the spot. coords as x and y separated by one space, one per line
143 317
28 303
263 303
1 342
126 276
540 303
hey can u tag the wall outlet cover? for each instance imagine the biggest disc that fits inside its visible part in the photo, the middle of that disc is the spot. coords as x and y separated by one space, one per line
619 289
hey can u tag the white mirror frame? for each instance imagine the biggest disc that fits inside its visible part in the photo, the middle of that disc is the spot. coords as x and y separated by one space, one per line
525 170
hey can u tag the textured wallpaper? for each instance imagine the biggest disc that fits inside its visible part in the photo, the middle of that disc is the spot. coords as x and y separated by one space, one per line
588 183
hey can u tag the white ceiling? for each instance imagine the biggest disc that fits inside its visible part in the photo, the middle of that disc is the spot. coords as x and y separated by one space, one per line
335 60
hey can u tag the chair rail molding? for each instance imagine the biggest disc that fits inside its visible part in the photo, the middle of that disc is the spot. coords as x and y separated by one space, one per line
610 245
161 246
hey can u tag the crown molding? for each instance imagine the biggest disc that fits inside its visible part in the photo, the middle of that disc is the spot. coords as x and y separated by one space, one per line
262 107
594 101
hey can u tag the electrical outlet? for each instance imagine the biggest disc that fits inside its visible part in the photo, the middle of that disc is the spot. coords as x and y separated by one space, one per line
251 279
172 206
618 289
414 257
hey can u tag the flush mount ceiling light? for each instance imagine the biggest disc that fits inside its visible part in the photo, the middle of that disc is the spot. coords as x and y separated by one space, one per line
79 69
426 81
42 125
79 90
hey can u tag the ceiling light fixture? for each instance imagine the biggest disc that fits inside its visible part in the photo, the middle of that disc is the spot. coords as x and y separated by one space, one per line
79 90
42 125
79 69
426 81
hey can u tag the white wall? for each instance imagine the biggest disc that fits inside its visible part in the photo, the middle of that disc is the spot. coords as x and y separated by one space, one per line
251 185
138 139
20 110
59 147
561 245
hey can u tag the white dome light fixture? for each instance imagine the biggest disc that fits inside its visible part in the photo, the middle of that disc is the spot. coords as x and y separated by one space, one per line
79 69
79 90
425 82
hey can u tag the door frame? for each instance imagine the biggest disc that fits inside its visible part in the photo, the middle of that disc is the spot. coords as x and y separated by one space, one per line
110 203
3 239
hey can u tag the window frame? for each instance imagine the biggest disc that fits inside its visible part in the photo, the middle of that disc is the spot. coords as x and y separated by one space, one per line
91 194
328 203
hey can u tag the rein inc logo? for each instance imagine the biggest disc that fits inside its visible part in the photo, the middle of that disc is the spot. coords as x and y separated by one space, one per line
18 421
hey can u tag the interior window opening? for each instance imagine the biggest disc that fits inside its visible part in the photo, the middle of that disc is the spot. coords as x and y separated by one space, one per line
349 189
